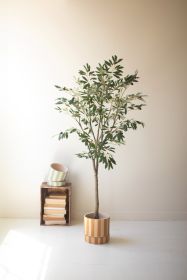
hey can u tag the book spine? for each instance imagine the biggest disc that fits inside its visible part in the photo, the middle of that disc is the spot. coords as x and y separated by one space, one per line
55 222
52 218
55 205
52 212
55 201
57 196
54 208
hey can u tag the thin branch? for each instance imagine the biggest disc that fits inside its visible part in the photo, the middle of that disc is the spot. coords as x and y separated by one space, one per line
79 123
91 129
117 110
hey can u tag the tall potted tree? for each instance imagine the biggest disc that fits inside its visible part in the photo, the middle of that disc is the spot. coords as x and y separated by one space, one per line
100 105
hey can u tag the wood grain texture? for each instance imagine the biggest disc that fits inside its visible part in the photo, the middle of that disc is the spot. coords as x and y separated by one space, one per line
97 240
96 230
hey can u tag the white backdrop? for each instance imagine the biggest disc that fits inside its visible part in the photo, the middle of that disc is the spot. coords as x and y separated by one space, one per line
45 43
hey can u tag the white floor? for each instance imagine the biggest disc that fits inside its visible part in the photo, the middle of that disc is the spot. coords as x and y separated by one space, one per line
137 251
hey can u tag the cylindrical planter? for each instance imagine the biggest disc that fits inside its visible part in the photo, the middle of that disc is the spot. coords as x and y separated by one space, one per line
57 175
96 230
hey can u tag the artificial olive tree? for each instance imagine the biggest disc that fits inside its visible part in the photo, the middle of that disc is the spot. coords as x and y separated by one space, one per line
100 104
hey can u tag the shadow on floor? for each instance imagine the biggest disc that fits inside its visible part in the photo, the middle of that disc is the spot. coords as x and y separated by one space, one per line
115 240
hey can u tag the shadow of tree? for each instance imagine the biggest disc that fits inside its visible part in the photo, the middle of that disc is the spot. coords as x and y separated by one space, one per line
115 240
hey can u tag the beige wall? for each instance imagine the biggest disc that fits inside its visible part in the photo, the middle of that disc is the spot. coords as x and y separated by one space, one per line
44 43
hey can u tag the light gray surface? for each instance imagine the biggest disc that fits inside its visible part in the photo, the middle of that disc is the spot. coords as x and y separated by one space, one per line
138 251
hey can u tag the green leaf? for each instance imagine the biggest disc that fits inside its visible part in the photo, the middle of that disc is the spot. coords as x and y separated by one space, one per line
100 105
82 72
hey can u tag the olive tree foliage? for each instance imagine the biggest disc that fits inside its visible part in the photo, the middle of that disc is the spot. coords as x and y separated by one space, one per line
100 104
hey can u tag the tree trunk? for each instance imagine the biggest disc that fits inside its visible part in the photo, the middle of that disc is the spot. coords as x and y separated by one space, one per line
96 194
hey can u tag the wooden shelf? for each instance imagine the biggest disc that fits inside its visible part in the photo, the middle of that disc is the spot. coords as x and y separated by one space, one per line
45 190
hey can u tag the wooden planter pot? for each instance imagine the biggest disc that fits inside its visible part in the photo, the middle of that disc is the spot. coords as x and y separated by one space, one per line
96 230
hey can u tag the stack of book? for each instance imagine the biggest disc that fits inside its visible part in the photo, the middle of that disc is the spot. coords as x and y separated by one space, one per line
55 209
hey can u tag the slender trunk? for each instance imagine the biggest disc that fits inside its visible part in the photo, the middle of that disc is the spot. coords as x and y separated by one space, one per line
96 194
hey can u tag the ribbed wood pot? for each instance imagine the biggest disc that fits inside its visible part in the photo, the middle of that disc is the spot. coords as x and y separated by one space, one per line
96 230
